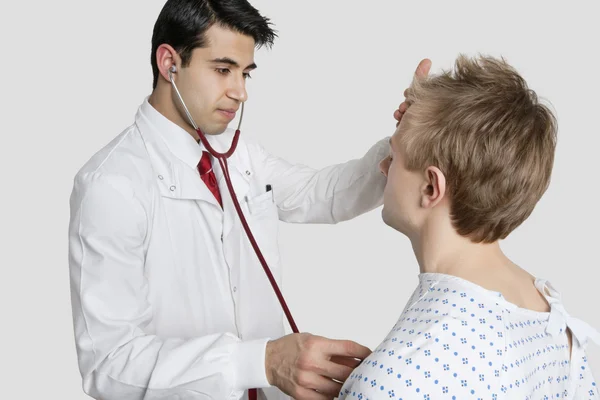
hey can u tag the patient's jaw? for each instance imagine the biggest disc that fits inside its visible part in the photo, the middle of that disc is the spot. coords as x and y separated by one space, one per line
412 198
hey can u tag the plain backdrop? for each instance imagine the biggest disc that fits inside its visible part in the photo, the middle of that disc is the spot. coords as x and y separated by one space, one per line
74 72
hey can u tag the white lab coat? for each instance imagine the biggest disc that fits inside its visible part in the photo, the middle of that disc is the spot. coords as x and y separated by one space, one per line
169 299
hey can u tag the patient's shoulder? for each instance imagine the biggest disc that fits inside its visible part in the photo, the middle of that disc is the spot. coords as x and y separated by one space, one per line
447 311
450 334
439 295
430 356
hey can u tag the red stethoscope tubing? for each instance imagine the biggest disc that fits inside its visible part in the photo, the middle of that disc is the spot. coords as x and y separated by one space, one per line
222 158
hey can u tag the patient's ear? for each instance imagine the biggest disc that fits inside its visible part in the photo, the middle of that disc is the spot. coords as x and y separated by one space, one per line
434 187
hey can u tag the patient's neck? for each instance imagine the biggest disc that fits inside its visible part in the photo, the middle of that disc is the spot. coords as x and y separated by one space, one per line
440 249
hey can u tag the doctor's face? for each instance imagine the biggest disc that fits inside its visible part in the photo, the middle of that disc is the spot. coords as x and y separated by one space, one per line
402 194
213 85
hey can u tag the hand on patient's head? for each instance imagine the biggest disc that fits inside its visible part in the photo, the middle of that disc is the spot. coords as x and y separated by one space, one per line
421 72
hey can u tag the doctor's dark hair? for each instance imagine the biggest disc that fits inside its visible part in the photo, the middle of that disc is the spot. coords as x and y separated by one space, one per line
183 23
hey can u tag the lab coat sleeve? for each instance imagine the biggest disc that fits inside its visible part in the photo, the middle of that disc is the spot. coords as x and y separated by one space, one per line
329 195
117 358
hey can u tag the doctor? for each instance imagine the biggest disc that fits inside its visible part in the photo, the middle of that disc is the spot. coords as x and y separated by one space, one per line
169 300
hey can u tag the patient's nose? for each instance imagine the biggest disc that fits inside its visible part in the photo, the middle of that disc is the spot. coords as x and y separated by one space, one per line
384 165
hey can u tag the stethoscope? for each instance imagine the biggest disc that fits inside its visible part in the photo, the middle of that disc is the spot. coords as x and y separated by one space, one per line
222 158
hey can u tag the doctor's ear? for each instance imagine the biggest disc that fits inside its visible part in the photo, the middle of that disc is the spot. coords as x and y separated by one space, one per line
166 60
434 187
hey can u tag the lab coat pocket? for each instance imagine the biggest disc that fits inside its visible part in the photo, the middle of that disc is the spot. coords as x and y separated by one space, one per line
262 202
263 220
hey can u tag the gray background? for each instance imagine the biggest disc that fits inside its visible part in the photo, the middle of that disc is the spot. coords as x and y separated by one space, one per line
74 72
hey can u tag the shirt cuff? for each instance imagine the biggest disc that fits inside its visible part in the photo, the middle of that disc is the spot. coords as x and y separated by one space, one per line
249 364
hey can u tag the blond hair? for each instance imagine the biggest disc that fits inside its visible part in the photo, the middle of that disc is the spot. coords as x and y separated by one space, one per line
494 141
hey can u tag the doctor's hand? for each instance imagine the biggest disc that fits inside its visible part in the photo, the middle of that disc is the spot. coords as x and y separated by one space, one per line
421 72
309 367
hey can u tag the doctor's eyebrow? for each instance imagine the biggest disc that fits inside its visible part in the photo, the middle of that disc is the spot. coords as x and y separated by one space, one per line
233 63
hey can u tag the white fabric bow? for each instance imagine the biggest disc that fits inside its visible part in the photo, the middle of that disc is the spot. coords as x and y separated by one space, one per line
560 319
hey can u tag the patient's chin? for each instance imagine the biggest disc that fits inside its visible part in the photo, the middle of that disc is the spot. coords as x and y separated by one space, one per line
395 222
384 216
388 218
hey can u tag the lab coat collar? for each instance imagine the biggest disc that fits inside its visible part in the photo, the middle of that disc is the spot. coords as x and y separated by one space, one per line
175 154
179 142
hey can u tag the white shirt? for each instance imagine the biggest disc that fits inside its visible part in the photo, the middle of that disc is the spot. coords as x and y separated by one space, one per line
457 340
169 299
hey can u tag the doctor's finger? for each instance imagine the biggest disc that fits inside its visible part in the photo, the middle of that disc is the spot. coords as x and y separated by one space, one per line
423 68
346 348
403 107
399 112
335 371
347 361
309 394
327 386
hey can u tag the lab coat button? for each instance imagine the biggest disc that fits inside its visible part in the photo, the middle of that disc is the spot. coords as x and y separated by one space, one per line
248 173
221 237
235 289
172 188
160 177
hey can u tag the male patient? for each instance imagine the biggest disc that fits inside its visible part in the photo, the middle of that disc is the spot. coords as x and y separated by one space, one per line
468 162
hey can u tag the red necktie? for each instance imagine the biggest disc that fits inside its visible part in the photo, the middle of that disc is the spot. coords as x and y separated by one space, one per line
208 176
252 394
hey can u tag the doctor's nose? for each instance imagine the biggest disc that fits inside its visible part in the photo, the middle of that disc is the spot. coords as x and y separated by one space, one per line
384 166
237 91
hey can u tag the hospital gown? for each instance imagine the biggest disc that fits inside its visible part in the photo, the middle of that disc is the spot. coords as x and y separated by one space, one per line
456 340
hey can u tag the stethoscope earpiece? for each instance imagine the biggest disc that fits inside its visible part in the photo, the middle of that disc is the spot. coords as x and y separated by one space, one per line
173 69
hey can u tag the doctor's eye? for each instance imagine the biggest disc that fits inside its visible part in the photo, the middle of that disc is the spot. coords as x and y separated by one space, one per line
227 71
